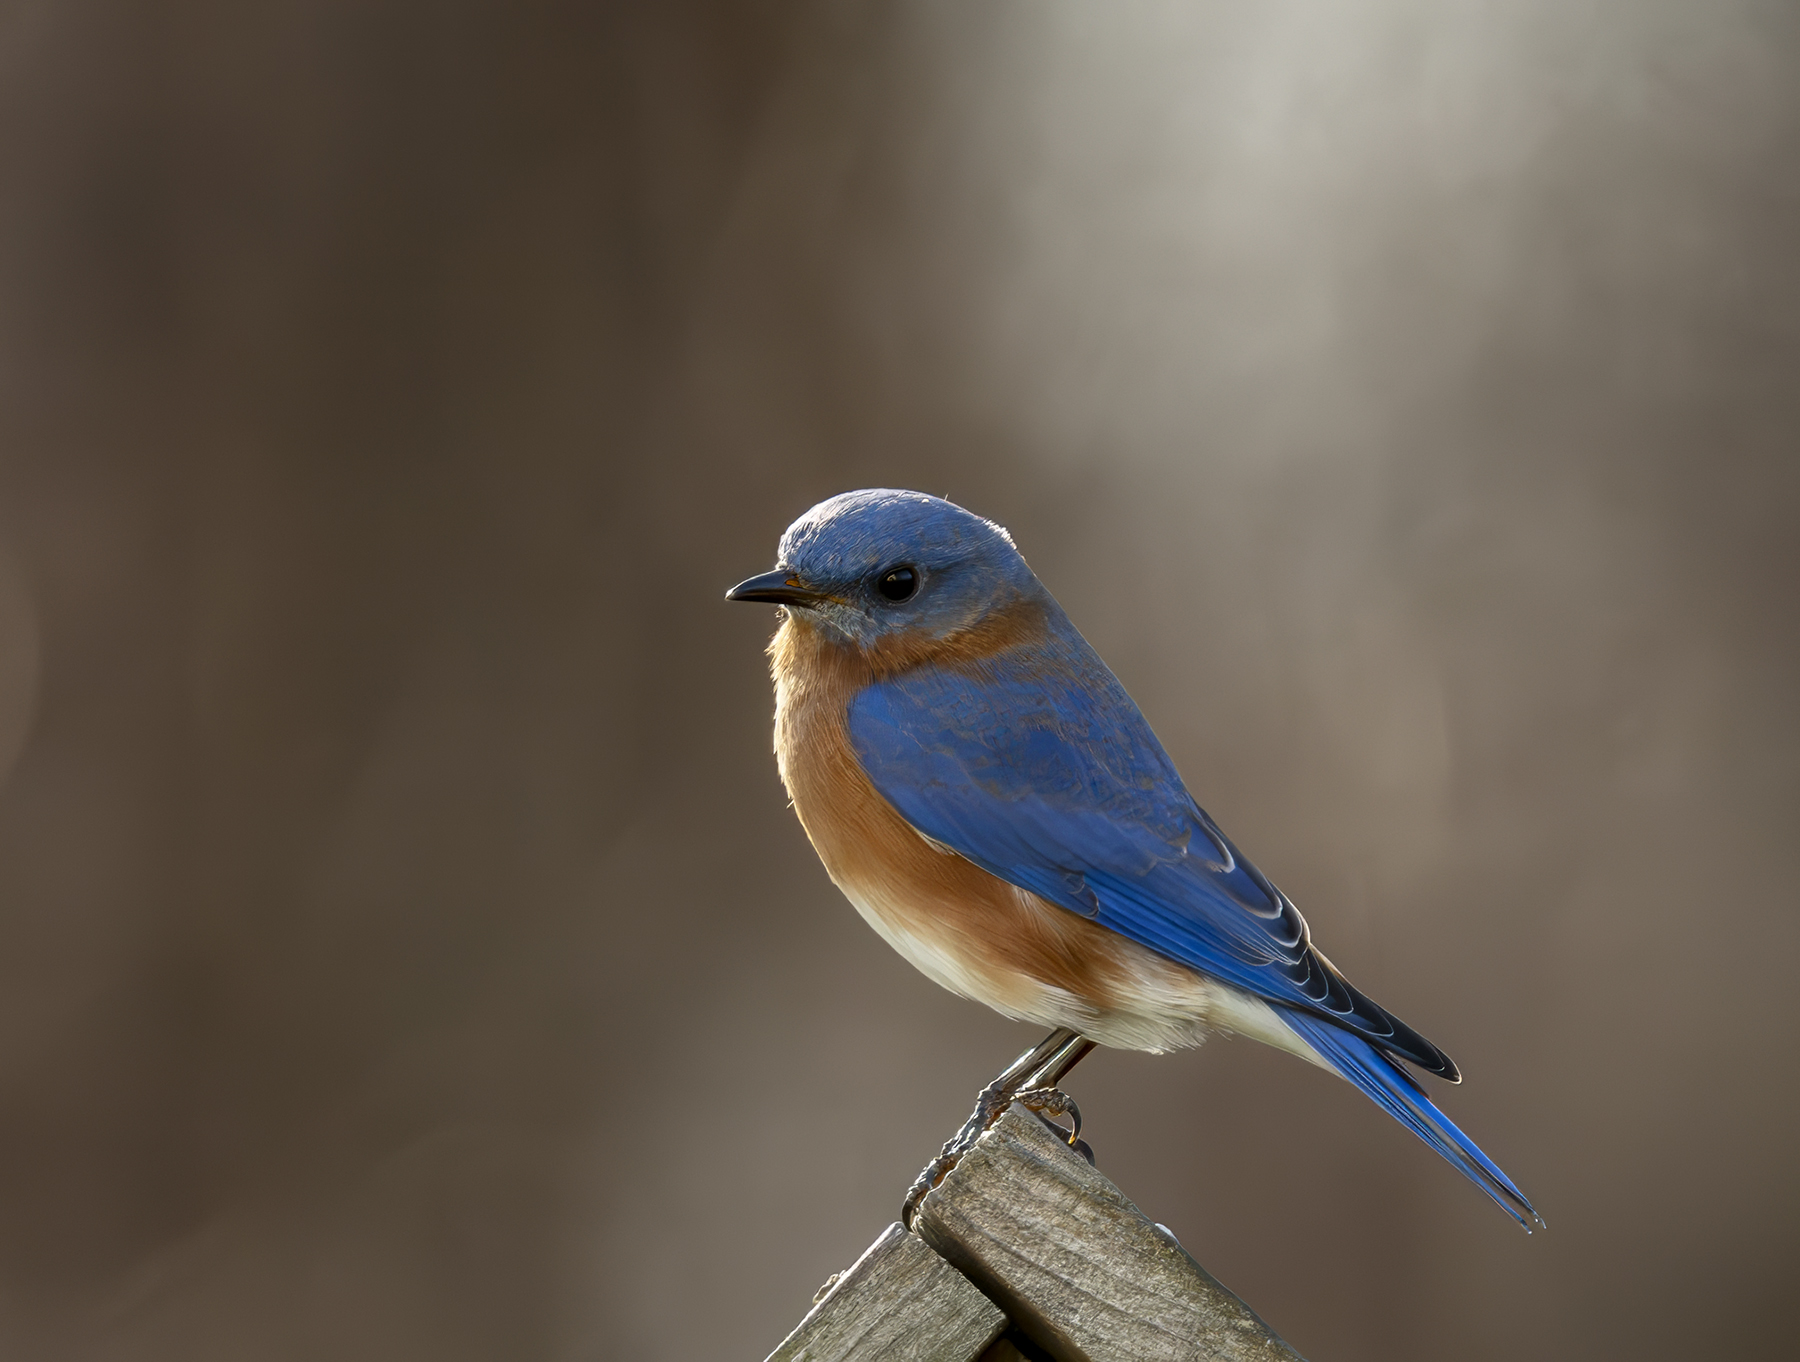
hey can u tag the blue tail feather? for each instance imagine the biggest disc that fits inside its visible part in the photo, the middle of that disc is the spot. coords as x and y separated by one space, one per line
1397 1093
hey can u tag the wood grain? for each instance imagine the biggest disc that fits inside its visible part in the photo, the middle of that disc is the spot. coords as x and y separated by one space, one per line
899 1302
1081 1271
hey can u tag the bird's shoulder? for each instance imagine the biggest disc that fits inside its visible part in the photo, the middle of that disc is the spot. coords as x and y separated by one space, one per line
1042 716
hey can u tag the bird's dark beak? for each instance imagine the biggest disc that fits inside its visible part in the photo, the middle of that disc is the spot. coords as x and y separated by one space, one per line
776 588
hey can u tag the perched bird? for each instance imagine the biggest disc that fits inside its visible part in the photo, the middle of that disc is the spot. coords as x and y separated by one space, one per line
983 790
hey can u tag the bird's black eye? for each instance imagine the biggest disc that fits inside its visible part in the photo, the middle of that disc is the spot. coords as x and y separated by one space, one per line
898 583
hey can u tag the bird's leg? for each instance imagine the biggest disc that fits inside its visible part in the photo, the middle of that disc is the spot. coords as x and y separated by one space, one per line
1037 1070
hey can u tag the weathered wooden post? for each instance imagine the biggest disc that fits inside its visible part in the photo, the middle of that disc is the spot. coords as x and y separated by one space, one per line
1025 1249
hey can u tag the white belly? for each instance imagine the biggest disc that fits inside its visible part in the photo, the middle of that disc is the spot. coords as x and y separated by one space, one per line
1164 1006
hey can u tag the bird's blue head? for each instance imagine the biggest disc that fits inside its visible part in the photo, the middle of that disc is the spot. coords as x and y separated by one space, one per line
877 563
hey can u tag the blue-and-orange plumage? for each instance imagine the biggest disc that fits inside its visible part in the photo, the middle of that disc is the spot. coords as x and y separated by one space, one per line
983 790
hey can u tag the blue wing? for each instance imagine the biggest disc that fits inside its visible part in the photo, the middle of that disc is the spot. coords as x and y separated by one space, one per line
1039 768
1072 797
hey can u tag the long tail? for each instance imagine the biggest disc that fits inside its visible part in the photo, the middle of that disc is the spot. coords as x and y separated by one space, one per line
1395 1092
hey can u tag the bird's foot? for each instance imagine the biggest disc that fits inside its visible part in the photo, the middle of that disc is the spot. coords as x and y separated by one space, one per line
1045 1064
1048 1102
994 1099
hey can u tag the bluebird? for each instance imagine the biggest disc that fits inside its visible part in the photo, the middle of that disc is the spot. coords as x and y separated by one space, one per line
982 789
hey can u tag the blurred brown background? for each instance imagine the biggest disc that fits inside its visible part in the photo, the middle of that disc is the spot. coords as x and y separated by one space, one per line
405 951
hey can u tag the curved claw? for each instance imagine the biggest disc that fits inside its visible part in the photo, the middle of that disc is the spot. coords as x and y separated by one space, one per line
1053 1102
909 1209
